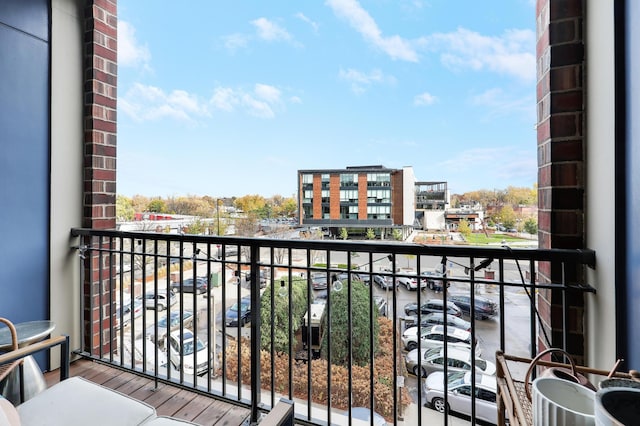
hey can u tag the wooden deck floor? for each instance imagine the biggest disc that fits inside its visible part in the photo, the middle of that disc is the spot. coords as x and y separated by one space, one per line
167 400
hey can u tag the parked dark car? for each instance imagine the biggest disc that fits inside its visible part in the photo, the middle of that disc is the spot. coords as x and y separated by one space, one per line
344 277
319 281
484 308
263 278
434 280
229 251
432 305
198 286
167 325
239 313
381 281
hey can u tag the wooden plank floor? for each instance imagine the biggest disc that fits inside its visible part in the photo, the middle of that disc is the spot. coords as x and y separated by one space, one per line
167 400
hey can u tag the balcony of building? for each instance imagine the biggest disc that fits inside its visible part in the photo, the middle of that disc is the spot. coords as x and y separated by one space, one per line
246 365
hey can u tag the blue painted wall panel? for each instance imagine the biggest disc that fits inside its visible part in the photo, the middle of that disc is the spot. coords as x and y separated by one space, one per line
24 161
633 183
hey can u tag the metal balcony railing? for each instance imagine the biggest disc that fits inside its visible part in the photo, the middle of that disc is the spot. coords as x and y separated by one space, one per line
320 322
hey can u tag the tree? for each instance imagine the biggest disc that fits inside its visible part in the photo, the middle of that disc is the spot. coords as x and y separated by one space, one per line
370 235
464 228
124 208
288 207
250 203
361 327
344 234
280 318
396 234
157 206
531 226
507 216
196 227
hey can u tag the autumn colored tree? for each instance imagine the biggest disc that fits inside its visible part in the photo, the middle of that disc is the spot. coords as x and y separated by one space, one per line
507 216
250 203
124 208
464 228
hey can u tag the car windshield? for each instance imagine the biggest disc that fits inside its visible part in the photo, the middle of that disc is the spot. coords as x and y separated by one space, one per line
456 378
481 364
245 306
188 347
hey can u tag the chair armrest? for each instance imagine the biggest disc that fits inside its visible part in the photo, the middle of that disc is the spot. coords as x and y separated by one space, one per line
20 353
282 414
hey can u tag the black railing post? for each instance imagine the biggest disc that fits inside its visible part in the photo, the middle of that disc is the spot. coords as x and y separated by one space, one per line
255 333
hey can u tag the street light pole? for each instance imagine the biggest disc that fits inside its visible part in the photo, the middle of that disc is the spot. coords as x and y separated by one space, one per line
218 214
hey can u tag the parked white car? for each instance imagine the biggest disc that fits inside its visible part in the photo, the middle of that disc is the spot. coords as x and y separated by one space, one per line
434 336
181 353
459 393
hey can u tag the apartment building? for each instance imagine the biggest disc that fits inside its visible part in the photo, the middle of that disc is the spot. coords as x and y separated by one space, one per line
358 197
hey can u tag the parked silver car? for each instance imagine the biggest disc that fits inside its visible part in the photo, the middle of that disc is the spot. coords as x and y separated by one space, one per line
434 336
459 394
457 359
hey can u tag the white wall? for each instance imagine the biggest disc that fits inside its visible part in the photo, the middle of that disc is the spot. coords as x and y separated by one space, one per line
66 164
600 227
408 195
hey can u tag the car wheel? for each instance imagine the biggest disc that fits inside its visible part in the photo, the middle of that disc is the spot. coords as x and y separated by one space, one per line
411 346
416 371
438 405
412 313
160 307
407 286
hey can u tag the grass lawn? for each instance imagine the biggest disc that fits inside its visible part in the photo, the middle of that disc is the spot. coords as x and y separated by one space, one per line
481 238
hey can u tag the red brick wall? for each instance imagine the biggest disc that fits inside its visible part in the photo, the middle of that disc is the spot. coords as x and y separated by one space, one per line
560 137
334 196
362 196
99 175
396 197
317 196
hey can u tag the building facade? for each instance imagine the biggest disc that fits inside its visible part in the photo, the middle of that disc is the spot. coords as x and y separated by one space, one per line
357 198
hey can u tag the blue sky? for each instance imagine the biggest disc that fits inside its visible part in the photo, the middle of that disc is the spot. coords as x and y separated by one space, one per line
232 98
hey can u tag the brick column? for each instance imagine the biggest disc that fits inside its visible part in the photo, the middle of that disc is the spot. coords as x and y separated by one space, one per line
99 173
560 137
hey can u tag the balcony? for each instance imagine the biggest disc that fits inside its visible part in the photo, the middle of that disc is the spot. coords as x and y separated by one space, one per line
255 360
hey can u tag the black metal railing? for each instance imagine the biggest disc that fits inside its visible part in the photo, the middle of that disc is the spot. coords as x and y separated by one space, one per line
298 340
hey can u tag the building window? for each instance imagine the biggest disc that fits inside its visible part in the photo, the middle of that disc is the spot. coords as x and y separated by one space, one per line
325 179
348 212
378 212
378 179
308 211
307 196
325 196
378 196
348 179
349 195
326 212
307 179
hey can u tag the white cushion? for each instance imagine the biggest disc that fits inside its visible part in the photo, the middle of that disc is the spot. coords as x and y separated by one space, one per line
8 414
77 401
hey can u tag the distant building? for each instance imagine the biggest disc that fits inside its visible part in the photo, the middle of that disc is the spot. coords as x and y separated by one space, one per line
358 198
432 200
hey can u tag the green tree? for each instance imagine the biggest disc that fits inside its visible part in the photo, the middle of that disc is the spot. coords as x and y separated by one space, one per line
464 228
531 226
124 208
361 327
344 234
280 319
396 234
157 206
371 234
196 227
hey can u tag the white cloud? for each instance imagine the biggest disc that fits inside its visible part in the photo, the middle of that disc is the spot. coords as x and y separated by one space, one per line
235 41
424 99
360 81
130 52
295 100
148 103
262 102
514 164
360 20
270 31
513 53
497 103
304 18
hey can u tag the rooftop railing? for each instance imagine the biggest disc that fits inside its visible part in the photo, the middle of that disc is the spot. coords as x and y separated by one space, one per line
320 322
